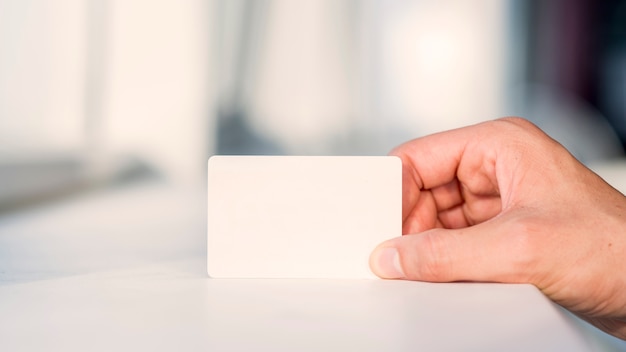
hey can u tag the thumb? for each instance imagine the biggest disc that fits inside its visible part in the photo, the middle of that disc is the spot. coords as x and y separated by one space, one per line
483 252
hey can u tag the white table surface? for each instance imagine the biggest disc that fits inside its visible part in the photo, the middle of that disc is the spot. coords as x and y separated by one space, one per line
125 270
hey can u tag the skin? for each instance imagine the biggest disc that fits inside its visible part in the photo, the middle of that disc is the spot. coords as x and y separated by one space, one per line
503 202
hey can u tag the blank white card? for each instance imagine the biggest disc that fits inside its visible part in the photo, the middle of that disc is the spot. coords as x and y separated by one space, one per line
300 216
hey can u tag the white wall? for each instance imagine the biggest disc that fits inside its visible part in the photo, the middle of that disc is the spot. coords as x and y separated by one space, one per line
158 93
42 46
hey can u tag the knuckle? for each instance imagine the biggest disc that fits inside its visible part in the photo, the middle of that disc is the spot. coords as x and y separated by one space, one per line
517 126
516 120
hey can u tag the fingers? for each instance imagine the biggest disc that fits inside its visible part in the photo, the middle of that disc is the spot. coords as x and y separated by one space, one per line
447 206
457 207
453 175
485 252
423 168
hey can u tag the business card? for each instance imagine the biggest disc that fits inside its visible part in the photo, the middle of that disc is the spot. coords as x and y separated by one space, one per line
300 216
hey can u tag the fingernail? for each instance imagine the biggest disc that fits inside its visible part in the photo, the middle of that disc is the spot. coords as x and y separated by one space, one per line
388 264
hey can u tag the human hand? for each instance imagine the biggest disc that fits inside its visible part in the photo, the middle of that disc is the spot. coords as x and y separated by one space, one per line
503 202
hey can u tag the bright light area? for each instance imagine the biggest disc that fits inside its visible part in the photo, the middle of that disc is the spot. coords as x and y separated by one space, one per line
445 62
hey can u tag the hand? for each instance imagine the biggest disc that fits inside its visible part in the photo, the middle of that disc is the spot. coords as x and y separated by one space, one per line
503 202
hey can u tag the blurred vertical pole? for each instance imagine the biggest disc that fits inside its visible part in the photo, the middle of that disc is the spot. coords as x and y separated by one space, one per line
240 30
517 51
369 58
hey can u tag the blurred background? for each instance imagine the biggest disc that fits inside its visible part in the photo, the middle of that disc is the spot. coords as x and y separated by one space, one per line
97 93
109 110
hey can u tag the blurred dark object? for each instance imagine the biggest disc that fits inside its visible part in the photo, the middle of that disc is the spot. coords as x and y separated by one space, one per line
579 47
235 136
30 181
